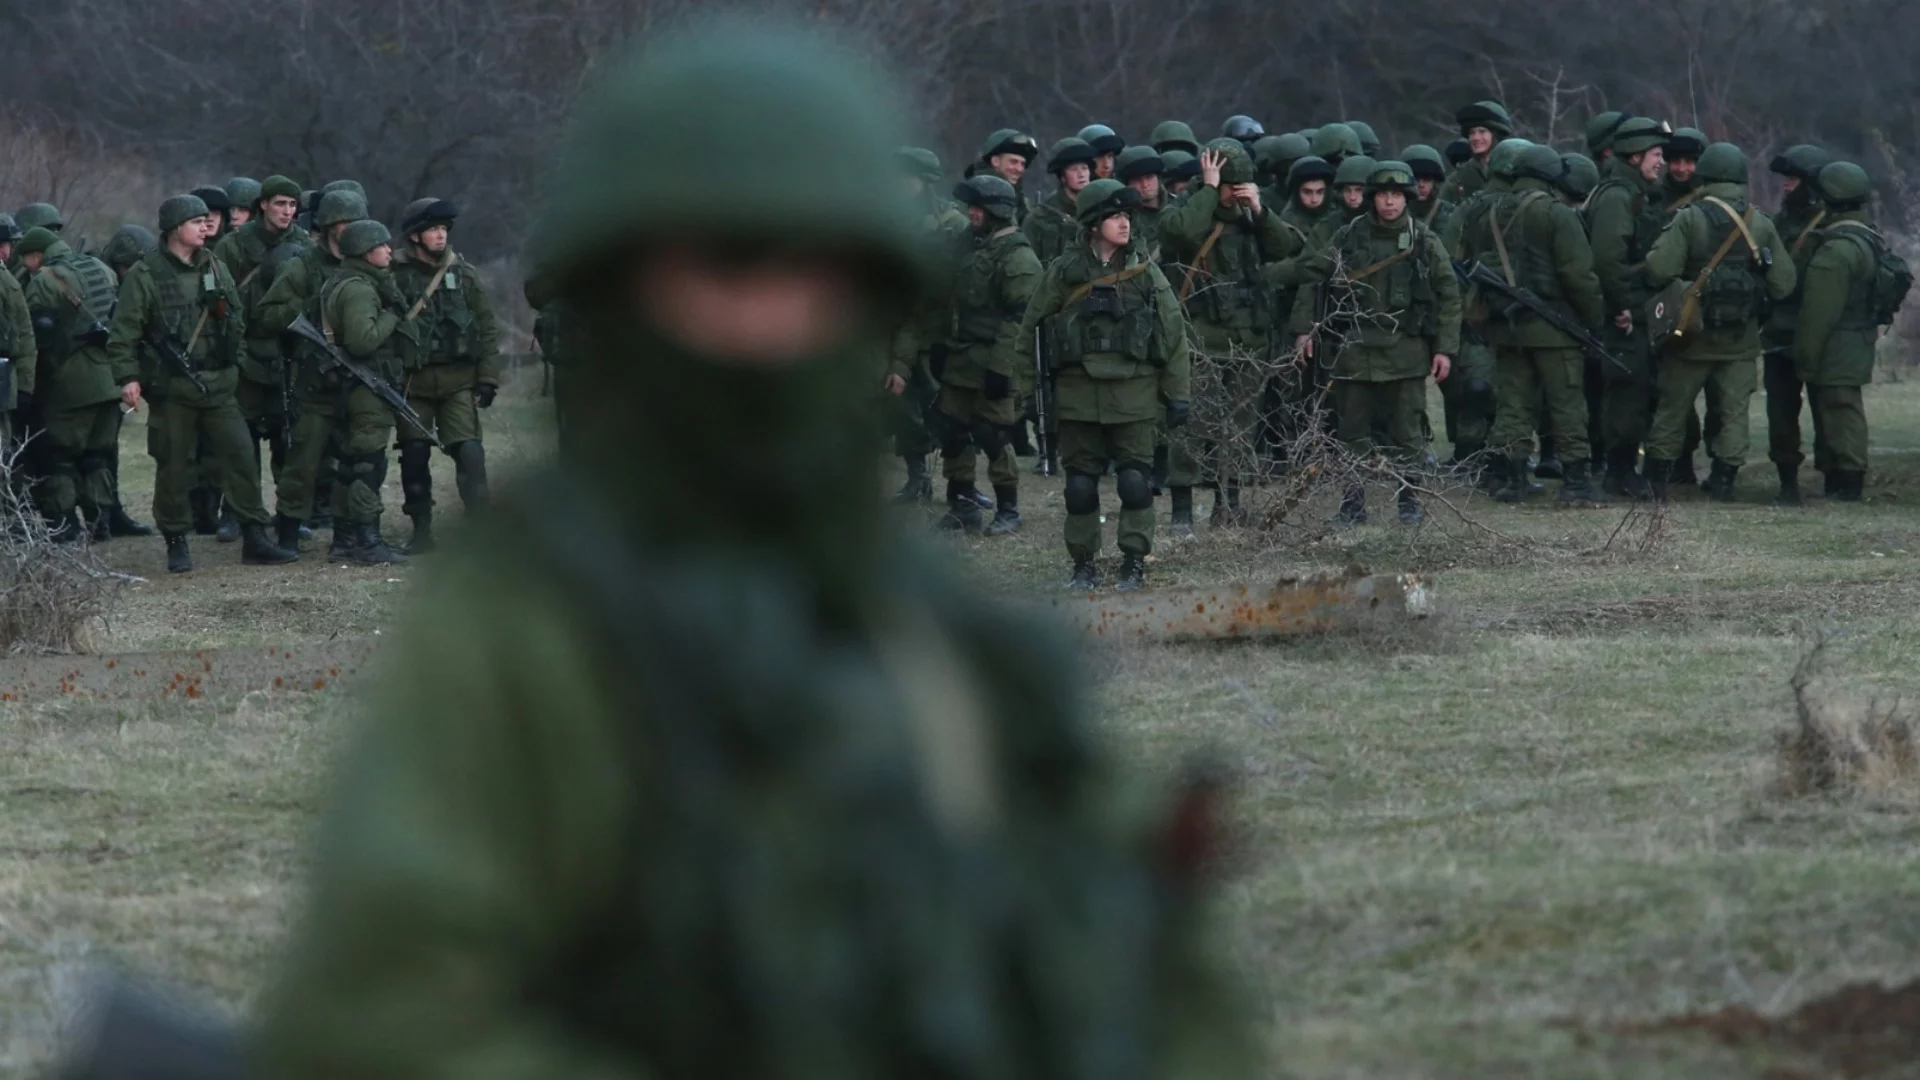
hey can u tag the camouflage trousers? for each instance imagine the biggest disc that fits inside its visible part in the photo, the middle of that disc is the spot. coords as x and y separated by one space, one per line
1728 384
1086 450
193 436
968 424
352 426
79 457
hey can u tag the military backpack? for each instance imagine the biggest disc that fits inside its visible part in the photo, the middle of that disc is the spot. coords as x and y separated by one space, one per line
1878 297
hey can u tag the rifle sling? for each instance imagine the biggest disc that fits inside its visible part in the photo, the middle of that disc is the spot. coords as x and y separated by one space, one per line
1691 305
1080 291
1500 240
1808 231
439 275
1200 259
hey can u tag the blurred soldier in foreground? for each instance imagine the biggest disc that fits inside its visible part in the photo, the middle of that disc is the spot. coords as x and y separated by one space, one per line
688 771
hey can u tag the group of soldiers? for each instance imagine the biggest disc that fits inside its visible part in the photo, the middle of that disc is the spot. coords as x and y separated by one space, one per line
1571 307
256 312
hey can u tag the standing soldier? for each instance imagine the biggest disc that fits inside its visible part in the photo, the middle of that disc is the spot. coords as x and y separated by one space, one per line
1182 170
1600 132
1577 183
1736 263
1624 220
1242 129
1273 158
1106 144
1007 155
243 192
128 244
253 252
919 347
1483 124
1430 202
1051 225
21 360
1369 141
976 409
1350 197
1853 289
1403 303
176 335
1800 217
458 372
1679 186
71 297
1118 346
1140 168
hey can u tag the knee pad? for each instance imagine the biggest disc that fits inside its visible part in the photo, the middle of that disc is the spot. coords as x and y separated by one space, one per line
1136 490
469 456
416 476
1083 494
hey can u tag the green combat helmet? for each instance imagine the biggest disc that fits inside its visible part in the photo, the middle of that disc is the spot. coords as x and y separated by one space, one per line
1336 141
1244 130
1354 171
338 208
1722 163
1308 134
1804 161
1180 165
1425 161
1174 135
1486 114
243 191
129 244
1310 168
1505 157
1541 163
1687 143
332 186
1581 176
363 236
424 214
1390 176
9 229
1102 199
1601 129
1137 161
1237 166
39 216
38 239
175 212
1637 135
989 193
1843 185
1071 150
1275 154
919 162
1102 138
1369 142
1009 141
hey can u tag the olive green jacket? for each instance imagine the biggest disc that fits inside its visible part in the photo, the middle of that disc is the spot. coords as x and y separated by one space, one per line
1833 346
460 289
1797 227
1614 222
1468 216
1466 180
996 279
294 283
364 311
1546 252
1110 388
253 253
1384 311
1051 227
1229 298
85 375
1684 248
22 351
139 305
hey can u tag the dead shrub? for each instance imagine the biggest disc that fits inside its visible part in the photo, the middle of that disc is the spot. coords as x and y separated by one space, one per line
1847 745
51 594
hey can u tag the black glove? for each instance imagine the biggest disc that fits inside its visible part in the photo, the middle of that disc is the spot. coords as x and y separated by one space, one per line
995 386
1178 413
483 395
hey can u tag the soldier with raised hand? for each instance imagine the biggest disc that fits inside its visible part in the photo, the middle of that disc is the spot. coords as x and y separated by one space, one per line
1051 225
1731 251
1800 217
977 408
1484 124
71 298
1118 344
455 374
175 340
253 253
642 713
1853 288
919 346
1399 293
1623 221
1008 154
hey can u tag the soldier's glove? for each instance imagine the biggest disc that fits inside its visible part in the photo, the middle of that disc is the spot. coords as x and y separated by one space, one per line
995 386
483 395
1178 413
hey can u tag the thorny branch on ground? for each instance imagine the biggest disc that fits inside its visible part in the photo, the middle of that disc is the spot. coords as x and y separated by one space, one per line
51 593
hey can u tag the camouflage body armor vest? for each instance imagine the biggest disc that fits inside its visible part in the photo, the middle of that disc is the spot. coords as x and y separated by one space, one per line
448 315
94 290
182 299
1111 331
1393 301
978 312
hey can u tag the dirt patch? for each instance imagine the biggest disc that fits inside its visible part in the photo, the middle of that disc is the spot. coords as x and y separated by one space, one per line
1861 1031
189 675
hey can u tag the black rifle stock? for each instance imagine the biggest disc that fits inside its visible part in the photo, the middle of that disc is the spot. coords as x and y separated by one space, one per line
1475 273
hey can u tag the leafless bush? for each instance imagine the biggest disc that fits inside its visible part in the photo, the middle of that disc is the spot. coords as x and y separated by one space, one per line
1846 745
51 594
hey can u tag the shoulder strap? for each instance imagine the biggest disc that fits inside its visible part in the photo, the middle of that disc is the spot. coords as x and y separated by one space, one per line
1691 304
1368 272
1200 259
1080 292
1740 223
439 275
1801 240
1499 239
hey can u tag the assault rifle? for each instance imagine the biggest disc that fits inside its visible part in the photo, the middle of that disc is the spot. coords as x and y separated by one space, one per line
365 376
1521 298
158 340
1043 403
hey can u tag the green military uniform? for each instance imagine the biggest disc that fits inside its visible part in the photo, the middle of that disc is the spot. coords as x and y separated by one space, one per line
452 378
1132 167
1623 221
1800 217
1473 175
1334 144
122 250
1853 288
977 407
191 306
1118 349
605 823
1539 368
21 356
72 299
1350 176
1721 357
1676 194
1051 226
1395 281
1217 255
919 346
1298 397
1466 398
253 253
1468 390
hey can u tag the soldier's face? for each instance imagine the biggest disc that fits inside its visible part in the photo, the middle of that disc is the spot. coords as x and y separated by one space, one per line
1103 166
209 227
1389 205
1789 184
1011 167
749 312
1117 230
1480 141
239 216
32 259
1313 195
1076 176
434 240
1681 168
280 211
380 257
1651 162
977 218
1148 186
1424 187
1354 196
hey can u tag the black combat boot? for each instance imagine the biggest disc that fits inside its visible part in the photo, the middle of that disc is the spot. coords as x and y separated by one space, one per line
1659 476
288 533
1789 485
228 530
101 530
1514 481
179 559
422 542
1549 466
1622 479
1085 574
1684 473
371 549
1353 507
963 509
1006 514
1468 459
919 486
1719 485
344 538
1577 488
119 524
1133 573
258 548
1410 511
205 503
1494 476
1180 499
1829 486
1847 485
